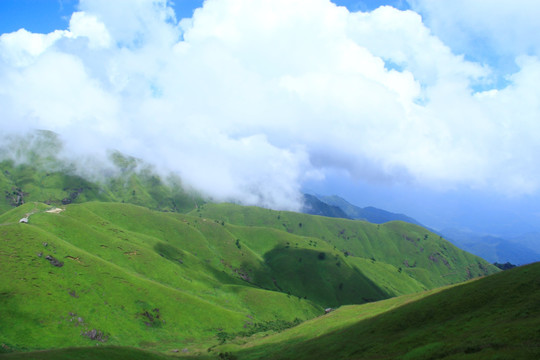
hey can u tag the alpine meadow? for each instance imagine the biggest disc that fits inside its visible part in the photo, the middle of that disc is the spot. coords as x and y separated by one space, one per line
269 179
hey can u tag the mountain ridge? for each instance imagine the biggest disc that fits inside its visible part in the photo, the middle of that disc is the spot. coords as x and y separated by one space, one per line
368 213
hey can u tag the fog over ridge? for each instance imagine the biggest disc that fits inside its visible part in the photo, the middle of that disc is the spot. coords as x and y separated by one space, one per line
249 99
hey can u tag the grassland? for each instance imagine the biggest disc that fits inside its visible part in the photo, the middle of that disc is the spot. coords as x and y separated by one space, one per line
160 280
497 317
409 249
166 284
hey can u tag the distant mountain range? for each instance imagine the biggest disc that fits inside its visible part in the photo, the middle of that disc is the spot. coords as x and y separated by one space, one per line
520 250
493 248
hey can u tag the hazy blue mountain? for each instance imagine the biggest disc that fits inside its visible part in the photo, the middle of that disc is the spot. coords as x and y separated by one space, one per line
520 250
492 248
530 240
314 206
371 214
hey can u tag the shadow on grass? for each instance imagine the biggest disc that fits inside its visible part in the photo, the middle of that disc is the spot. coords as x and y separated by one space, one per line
88 353
321 277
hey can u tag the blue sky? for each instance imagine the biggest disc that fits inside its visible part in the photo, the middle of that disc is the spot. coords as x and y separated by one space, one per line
48 15
432 112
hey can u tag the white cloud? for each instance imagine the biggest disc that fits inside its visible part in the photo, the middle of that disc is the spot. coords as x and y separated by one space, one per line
401 38
82 24
20 48
134 23
261 95
495 27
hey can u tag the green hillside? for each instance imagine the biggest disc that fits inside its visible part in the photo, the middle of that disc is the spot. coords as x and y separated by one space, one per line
497 317
409 249
137 277
131 276
31 170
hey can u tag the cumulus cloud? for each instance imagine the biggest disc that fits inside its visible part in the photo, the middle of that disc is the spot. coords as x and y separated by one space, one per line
248 99
491 31
84 25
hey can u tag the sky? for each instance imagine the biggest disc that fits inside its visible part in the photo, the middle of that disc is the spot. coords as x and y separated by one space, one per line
425 107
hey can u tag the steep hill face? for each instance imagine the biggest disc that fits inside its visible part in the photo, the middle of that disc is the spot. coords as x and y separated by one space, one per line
23 183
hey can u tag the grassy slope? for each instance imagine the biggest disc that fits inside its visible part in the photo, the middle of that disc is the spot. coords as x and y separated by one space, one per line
345 316
121 263
205 276
497 317
401 247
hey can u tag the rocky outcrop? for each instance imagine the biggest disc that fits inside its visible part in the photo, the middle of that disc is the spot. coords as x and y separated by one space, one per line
54 261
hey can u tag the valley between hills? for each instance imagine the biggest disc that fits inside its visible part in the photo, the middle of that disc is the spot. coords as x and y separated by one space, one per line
134 266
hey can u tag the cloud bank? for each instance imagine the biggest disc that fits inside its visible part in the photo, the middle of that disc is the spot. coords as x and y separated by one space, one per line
248 99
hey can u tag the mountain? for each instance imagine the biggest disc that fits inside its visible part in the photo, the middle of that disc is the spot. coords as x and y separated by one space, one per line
371 214
492 248
415 250
314 206
529 240
520 250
